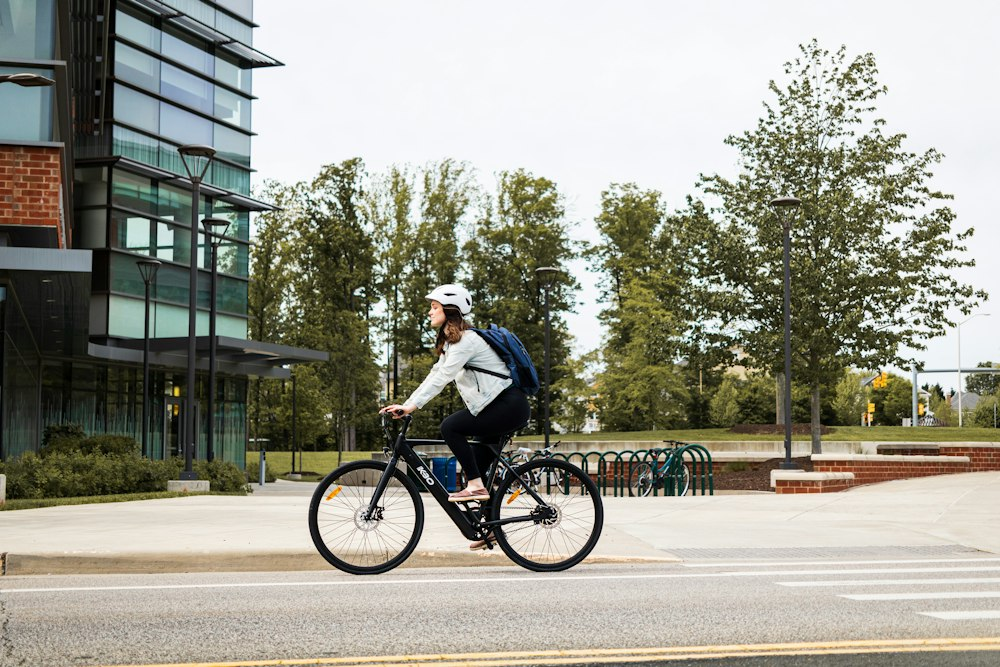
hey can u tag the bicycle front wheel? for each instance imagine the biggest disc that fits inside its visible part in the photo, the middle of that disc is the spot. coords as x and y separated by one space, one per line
640 482
347 536
553 535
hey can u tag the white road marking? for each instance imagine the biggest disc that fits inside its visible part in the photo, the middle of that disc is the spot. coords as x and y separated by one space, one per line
527 579
986 614
918 561
942 595
889 582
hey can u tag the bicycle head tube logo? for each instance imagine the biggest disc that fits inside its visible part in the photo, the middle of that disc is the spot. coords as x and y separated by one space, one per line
428 478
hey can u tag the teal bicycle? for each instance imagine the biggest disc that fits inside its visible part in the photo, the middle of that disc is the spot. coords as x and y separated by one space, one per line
673 477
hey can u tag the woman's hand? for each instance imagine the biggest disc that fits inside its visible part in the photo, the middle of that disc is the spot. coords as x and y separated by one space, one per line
397 411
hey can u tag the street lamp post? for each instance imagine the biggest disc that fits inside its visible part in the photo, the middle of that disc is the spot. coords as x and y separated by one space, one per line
546 274
785 209
147 269
215 230
196 161
958 331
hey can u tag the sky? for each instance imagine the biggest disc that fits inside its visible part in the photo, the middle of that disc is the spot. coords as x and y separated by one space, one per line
590 93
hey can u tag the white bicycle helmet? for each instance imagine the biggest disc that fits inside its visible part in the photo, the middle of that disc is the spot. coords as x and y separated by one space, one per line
453 295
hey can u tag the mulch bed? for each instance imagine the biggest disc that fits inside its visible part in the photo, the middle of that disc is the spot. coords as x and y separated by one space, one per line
757 477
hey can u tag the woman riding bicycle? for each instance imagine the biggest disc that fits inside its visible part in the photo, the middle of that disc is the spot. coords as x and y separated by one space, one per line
493 405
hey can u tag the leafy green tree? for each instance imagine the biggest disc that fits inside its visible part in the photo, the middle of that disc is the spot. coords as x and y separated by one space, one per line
724 406
850 399
894 402
521 229
575 392
874 255
986 412
983 384
334 291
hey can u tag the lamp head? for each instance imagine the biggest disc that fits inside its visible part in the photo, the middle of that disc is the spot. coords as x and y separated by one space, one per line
546 274
216 226
27 79
196 159
148 269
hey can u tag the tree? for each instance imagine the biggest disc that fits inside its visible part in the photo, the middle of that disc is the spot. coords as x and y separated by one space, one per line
724 406
521 229
850 400
983 384
575 392
874 256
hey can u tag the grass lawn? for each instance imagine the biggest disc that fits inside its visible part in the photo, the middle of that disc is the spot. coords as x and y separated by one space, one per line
315 465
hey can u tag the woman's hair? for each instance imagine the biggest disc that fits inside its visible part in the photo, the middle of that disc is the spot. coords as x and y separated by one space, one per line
451 330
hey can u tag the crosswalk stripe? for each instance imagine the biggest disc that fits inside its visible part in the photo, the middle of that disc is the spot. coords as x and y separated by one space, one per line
943 595
982 615
889 582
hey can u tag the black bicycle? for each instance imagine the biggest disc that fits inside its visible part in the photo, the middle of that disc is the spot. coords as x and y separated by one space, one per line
366 517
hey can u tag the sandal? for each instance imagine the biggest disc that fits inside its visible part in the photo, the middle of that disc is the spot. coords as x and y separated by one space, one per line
481 544
469 495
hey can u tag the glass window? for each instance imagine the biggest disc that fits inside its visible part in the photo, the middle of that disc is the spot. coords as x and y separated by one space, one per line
130 232
177 47
186 89
165 239
25 113
243 8
138 29
184 127
125 277
235 28
132 191
134 145
137 109
174 204
27 29
232 145
231 74
196 9
231 295
137 67
232 108
230 178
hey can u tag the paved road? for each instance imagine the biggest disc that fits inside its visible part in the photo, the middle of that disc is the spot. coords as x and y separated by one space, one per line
929 601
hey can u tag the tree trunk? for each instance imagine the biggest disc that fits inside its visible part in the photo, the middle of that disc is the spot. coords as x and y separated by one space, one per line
817 446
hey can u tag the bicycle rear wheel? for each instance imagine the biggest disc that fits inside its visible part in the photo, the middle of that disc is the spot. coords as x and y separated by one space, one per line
640 482
348 539
555 535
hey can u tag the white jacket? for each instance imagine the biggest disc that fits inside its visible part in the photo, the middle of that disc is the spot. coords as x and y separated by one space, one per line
477 389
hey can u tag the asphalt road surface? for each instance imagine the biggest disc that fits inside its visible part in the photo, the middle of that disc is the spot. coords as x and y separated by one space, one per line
841 611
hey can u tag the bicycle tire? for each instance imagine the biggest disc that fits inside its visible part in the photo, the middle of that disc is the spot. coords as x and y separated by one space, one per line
345 539
640 481
548 543
683 487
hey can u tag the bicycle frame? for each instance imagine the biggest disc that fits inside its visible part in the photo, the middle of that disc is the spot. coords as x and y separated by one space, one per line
468 520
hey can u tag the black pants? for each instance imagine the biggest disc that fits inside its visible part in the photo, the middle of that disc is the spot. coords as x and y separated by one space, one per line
508 411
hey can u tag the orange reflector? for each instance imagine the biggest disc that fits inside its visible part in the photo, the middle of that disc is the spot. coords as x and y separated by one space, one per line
513 496
334 492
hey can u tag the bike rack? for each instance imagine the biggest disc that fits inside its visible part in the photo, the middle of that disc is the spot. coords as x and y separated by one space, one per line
613 469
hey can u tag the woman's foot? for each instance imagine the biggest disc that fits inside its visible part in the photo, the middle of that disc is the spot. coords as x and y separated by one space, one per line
469 495
481 544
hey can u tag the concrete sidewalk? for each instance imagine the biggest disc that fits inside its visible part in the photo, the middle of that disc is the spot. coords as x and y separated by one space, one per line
267 530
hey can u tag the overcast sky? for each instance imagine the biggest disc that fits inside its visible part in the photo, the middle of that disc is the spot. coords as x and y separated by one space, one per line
589 93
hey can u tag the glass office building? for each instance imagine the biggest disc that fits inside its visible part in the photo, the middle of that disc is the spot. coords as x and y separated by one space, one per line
134 80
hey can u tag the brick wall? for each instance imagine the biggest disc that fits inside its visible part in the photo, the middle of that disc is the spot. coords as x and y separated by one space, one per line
981 457
29 186
883 468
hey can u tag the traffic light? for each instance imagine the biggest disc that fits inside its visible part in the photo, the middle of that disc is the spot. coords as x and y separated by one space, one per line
920 409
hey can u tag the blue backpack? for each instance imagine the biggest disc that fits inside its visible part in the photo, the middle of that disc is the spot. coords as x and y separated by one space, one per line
511 350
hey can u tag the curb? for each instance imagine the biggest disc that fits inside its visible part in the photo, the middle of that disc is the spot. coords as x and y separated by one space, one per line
34 565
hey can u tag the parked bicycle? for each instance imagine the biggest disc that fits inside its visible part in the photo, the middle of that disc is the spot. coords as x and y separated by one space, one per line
673 476
366 517
523 455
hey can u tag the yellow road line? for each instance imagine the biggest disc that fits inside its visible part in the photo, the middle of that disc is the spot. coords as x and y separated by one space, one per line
612 656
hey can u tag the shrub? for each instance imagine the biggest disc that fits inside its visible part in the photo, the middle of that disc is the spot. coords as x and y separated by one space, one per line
69 474
113 445
62 438
223 476
253 473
